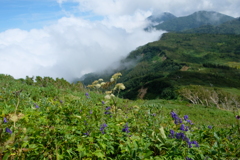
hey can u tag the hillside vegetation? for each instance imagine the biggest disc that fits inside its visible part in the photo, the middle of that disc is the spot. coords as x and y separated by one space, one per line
45 118
230 27
177 61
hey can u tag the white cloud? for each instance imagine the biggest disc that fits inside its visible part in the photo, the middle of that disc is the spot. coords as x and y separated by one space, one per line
73 46
177 7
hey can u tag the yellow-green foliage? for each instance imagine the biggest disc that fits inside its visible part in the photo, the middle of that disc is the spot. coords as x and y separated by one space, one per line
210 96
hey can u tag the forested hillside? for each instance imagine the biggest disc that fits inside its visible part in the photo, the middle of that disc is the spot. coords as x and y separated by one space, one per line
179 60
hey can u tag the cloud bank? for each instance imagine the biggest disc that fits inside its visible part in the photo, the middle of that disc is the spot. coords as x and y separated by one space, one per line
176 7
73 46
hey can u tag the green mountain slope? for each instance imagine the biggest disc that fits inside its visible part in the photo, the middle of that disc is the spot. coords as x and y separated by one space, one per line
230 27
179 60
194 20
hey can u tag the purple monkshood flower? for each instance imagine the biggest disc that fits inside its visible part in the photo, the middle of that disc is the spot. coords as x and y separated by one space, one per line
172 134
237 116
107 112
189 121
180 135
126 128
87 133
108 108
177 120
5 120
103 102
196 143
183 128
210 127
36 106
174 115
185 117
8 130
103 126
86 94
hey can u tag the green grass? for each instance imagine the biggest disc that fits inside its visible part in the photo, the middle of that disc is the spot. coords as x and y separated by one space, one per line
201 115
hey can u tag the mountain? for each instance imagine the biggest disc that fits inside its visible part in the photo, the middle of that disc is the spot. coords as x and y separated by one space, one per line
179 60
230 27
194 20
165 16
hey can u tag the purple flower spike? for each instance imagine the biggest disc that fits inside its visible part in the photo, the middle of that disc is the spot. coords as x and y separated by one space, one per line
189 121
103 127
108 108
185 117
196 143
5 120
172 134
8 130
126 128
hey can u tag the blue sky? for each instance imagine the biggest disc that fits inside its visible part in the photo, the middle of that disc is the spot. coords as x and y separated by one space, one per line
30 14
69 38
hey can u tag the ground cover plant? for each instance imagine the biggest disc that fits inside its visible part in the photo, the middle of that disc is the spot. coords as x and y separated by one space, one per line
43 118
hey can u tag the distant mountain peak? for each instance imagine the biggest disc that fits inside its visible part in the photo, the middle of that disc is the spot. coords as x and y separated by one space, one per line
195 20
164 16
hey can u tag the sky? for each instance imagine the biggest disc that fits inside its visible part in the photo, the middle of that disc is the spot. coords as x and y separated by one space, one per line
69 38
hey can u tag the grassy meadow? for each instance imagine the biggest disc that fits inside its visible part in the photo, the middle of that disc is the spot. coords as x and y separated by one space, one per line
45 118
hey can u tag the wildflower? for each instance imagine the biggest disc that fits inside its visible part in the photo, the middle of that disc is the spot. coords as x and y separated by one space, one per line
196 143
108 108
238 117
107 112
5 120
174 115
91 112
108 92
107 97
36 106
188 158
103 127
126 128
87 133
186 139
183 128
172 134
98 85
112 79
210 127
100 80
102 84
86 94
8 130
103 102
189 121
185 117
119 86
180 135
116 75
